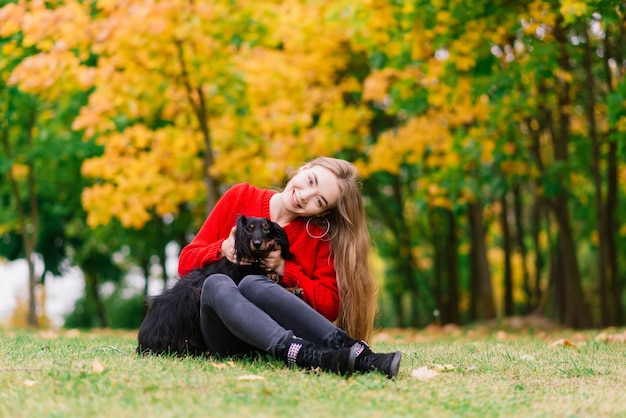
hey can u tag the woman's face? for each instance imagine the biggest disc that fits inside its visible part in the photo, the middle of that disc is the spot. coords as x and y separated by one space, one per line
314 190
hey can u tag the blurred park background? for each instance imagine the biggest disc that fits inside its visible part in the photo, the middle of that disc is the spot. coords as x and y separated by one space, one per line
490 136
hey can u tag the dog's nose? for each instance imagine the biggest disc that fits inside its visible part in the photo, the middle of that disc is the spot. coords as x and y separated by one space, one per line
257 244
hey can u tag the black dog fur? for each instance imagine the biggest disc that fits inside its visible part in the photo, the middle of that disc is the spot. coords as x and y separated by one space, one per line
172 323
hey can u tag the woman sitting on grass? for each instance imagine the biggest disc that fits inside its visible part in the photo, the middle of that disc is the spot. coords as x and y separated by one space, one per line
322 213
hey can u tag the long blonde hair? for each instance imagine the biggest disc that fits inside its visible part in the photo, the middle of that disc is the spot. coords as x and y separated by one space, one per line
350 246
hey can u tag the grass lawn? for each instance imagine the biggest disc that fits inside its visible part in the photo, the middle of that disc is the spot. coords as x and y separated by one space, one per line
450 372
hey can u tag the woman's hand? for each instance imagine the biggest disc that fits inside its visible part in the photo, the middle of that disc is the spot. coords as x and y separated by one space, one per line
275 262
228 247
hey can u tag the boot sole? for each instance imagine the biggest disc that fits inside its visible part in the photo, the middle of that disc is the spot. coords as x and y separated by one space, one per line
394 368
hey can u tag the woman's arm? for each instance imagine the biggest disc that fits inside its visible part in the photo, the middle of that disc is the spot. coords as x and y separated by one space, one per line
202 250
206 246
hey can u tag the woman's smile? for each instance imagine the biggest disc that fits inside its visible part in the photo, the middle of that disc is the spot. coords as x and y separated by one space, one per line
294 200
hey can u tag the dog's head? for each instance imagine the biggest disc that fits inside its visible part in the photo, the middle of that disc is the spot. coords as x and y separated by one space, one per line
255 238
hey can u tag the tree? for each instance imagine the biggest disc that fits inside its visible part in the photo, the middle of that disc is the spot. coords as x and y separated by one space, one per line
21 178
476 142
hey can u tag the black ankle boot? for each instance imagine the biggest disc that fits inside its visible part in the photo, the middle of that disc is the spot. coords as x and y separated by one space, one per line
368 361
305 354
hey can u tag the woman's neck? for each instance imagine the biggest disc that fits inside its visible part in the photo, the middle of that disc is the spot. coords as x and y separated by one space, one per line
278 213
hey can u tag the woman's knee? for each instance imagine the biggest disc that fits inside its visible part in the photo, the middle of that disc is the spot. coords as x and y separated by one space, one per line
253 283
216 286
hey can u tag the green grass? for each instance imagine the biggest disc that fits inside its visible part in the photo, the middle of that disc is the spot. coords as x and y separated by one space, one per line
480 374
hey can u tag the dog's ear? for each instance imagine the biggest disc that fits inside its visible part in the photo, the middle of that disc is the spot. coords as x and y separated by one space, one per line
282 240
241 238
241 222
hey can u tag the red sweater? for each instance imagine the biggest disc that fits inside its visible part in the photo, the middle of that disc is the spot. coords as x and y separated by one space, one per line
311 269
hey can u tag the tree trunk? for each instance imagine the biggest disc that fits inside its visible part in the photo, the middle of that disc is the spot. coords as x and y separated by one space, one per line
402 279
611 208
399 310
145 267
537 206
539 264
446 265
438 265
606 308
520 233
407 265
33 321
576 312
146 284
93 292
507 248
485 307
474 284
201 109
452 310
163 260
211 186
28 219
554 292
612 227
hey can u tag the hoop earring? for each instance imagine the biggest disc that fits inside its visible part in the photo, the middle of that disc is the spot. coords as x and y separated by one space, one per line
317 236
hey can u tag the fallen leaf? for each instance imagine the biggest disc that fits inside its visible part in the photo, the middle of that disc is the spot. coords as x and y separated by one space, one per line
601 337
250 377
72 333
452 329
444 368
97 366
502 335
424 373
563 343
611 338
383 336
229 363
49 334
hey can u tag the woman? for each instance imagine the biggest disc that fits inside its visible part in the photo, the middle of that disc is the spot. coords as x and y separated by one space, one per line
321 210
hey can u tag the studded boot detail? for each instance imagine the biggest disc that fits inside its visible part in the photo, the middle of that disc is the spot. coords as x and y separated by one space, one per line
306 355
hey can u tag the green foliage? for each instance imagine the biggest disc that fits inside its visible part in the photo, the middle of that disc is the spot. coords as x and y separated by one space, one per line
121 312
83 315
616 108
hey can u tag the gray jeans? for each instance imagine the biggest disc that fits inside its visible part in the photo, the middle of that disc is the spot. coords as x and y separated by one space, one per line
257 315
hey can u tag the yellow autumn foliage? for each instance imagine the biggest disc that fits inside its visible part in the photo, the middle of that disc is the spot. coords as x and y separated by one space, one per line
376 86
539 15
143 170
571 9
420 41
265 85
19 171
11 18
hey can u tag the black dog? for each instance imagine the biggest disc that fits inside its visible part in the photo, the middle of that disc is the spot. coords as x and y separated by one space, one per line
172 324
